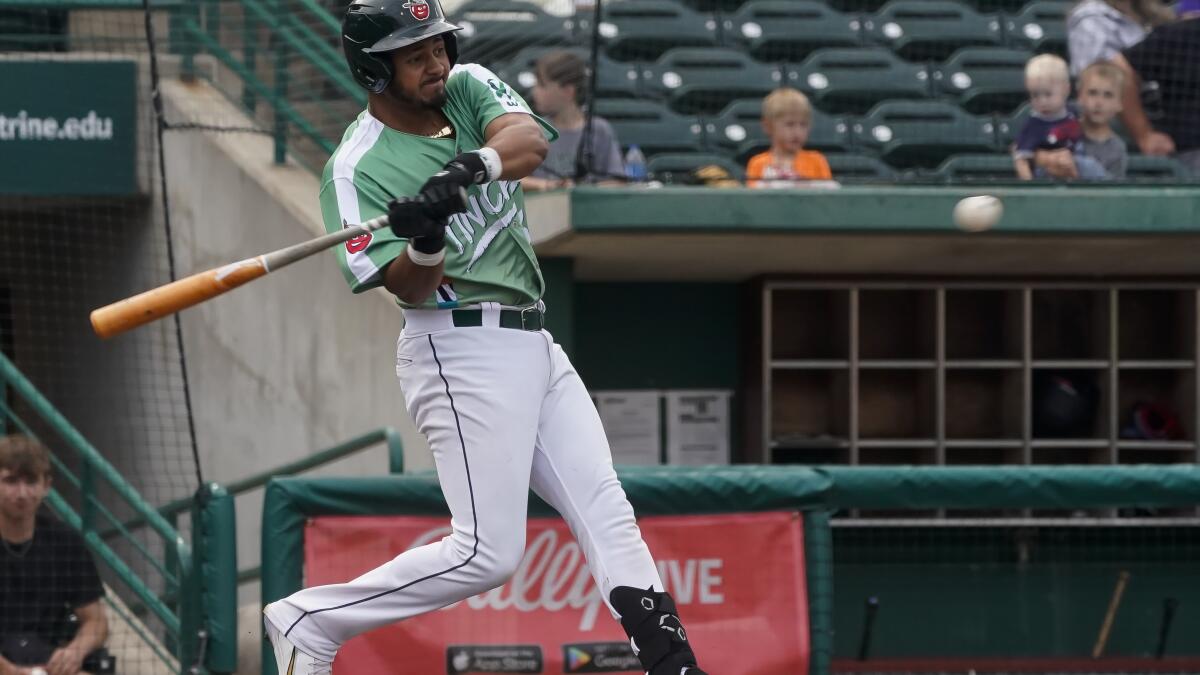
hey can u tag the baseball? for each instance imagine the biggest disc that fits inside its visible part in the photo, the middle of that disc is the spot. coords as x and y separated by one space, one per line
979 213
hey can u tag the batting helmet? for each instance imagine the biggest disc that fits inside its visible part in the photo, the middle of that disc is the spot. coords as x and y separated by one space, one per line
371 28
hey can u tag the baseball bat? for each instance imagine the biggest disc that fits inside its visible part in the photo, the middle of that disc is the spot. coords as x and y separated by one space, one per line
864 645
1113 604
167 299
1164 628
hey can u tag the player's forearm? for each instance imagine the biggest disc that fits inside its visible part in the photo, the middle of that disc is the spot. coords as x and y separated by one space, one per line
522 148
410 282
7 667
1132 113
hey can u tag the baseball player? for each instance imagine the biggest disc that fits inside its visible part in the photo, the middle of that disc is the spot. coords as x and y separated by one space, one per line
502 407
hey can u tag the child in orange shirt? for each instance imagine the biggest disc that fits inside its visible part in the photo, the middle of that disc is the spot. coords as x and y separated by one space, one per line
787 118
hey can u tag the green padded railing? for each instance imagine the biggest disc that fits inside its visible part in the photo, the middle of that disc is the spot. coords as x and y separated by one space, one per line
181 620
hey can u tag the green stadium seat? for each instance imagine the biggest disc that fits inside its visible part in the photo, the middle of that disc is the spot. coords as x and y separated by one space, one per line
1150 168
1040 26
641 30
701 81
493 30
613 79
859 168
931 29
676 168
652 126
984 79
977 168
788 30
1008 126
738 130
853 80
923 133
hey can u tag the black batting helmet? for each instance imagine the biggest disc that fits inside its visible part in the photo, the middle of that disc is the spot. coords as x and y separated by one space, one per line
371 28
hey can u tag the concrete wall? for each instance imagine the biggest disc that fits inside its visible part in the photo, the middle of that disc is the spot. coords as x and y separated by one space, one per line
292 363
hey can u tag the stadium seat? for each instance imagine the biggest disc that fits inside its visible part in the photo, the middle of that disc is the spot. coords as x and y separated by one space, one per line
677 168
613 79
642 30
1147 167
1040 26
1008 126
852 80
788 30
699 81
652 126
977 168
494 30
738 130
923 133
984 79
931 29
858 168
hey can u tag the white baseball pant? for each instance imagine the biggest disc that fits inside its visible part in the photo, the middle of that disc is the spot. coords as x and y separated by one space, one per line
504 411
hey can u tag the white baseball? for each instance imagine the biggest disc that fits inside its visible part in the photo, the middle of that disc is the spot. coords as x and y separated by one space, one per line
979 213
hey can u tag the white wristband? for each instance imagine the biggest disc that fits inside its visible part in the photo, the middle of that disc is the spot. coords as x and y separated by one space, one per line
491 161
425 259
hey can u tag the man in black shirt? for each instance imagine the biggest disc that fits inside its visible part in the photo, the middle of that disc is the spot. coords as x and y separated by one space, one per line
1167 65
50 592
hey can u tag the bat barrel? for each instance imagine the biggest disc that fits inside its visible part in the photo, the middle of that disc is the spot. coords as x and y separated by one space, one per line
158 302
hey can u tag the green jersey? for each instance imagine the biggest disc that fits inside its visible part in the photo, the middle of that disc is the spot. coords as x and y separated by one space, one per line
489 252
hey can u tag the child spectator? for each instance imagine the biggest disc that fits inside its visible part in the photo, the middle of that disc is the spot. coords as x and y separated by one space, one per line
787 118
1051 125
558 96
1100 88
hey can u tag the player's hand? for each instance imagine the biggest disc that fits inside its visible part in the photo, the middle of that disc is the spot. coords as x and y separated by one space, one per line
463 171
65 661
1156 143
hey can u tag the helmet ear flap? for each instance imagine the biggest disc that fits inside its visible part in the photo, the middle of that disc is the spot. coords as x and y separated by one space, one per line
374 72
450 40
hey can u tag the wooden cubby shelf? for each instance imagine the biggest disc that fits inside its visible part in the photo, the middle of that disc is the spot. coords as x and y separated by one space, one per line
959 373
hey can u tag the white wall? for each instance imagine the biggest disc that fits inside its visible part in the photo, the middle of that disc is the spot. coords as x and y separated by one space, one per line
293 362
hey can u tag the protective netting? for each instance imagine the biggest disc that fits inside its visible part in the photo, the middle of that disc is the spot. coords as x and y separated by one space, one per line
82 225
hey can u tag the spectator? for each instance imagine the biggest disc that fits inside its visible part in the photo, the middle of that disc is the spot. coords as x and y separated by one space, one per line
50 612
1100 88
1051 125
558 95
1166 66
787 119
1097 30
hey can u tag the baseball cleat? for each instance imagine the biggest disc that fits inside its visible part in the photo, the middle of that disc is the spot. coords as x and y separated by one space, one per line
289 660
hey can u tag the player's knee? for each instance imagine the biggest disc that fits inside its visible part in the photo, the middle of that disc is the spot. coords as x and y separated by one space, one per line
498 563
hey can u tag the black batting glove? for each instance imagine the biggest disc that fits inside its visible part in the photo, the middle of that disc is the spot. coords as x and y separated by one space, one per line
463 171
422 219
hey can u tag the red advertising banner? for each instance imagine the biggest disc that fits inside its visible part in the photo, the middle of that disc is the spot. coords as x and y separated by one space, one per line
738 580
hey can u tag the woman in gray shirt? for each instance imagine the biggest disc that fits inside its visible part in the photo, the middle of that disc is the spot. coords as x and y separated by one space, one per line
1099 29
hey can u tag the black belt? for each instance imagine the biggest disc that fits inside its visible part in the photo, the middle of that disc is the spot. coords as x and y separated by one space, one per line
530 318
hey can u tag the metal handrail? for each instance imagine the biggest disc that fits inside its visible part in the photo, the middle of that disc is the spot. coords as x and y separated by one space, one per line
95 464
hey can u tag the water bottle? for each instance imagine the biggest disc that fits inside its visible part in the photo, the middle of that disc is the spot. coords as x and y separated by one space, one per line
635 165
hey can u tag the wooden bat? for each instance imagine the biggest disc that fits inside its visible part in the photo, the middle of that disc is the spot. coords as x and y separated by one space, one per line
167 299
1113 604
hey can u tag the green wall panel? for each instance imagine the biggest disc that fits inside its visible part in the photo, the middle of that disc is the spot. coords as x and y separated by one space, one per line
657 335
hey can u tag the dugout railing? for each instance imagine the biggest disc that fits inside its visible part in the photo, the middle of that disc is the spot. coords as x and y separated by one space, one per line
182 588
835 561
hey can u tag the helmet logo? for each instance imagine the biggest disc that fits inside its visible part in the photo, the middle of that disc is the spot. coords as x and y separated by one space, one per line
418 8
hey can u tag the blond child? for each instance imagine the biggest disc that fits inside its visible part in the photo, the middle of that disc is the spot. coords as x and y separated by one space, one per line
1051 125
1099 93
787 119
